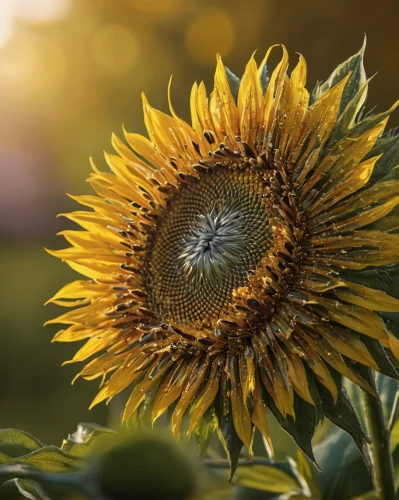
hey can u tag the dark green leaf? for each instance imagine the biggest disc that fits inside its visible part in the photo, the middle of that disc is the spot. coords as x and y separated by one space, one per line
358 77
344 474
234 83
146 407
392 322
302 428
344 416
205 429
15 443
241 493
264 78
348 116
389 146
9 491
228 436
387 388
46 459
27 479
385 278
369 122
32 490
314 392
381 357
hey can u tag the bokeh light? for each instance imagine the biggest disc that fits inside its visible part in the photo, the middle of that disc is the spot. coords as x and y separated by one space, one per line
32 11
211 28
115 48
40 10
43 65
164 7
6 25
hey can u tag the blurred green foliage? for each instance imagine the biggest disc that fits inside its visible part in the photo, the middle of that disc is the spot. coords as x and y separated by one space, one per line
96 463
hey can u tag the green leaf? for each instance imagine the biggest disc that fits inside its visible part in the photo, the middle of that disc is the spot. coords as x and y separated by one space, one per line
395 436
9 490
303 427
32 490
371 495
301 430
387 388
46 459
344 474
344 416
50 459
205 429
264 78
265 478
27 479
6 460
15 443
371 122
392 322
242 493
348 116
85 432
83 440
389 146
234 83
228 436
385 278
381 357
308 472
357 79
146 407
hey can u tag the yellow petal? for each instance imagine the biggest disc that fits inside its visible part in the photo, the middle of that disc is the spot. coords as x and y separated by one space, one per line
139 392
258 416
358 319
206 397
125 375
293 105
194 380
368 298
224 108
241 416
299 378
169 390
249 103
318 124
274 90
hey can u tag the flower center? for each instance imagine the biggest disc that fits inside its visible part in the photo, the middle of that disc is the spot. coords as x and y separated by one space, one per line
214 244
213 233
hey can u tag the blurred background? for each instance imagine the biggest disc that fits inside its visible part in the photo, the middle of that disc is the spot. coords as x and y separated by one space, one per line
71 72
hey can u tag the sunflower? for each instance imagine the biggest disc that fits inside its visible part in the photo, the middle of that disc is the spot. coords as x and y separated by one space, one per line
244 262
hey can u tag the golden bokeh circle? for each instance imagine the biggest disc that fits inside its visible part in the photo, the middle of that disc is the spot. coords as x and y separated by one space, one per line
164 7
209 33
115 48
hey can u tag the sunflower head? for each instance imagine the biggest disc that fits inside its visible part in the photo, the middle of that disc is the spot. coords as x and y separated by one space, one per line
246 261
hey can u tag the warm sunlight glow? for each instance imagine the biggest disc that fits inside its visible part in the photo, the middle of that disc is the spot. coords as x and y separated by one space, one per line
32 11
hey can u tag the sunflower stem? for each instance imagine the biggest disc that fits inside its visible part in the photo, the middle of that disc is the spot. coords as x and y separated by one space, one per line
392 417
383 471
